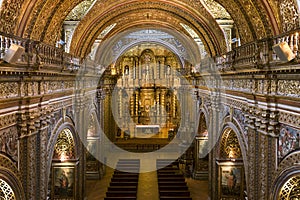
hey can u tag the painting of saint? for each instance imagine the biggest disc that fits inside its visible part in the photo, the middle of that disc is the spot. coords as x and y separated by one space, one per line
63 178
231 181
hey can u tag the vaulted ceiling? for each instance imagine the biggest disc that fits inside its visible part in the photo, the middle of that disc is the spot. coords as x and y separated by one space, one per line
43 20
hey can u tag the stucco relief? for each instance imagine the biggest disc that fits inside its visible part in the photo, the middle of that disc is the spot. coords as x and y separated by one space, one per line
9 14
38 6
53 31
9 142
165 10
245 33
42 19
8 90
275 11
289 15
254 18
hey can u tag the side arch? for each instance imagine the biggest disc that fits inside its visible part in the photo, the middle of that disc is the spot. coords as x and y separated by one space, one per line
228 124
286 177
9 174
63 123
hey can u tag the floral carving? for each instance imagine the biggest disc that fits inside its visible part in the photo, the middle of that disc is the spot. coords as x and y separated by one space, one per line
289 15
9 142
8 89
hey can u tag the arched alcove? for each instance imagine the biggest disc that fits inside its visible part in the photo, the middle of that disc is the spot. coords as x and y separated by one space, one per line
286 183
201 165
230 177
64 174
290 190
6 191
10 183
94 169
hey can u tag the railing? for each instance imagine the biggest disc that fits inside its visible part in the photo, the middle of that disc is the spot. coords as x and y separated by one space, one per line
259 53
252 55
38 54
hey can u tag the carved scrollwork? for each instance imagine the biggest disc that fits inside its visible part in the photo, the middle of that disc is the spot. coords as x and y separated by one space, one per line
229 146
289 88
9 142
65 146
289 15
8 89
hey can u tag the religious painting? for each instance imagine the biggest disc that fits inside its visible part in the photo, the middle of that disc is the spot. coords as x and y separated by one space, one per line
289 140
231 183
63 181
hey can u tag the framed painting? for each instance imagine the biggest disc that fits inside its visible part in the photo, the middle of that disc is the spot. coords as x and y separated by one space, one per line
231 180
63 181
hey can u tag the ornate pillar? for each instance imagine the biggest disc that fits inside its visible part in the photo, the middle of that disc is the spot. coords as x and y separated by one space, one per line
29 158
253 143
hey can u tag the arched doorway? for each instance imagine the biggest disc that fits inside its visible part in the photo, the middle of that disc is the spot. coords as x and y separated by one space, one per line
65 166
287 183
290 190
6 192
94 168
10 182
201 150
230 167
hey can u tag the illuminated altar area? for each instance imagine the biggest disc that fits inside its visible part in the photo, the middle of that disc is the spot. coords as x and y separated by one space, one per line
147 100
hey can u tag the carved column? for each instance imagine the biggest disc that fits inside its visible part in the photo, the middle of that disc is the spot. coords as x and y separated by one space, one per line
252 155
268 131
42 163
162 106
29 156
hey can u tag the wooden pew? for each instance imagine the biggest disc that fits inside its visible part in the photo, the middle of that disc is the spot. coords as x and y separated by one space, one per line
170 183
135 183
122 188
174 179
124 180
129 169
118 198
125 176
176 198
121 194
174 193
166 175
172 187
129 161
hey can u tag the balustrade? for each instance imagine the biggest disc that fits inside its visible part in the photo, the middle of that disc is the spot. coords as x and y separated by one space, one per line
255 54
39 54
258 53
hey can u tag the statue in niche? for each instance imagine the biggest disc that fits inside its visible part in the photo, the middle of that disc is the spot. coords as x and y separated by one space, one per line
147 58
126 70
168 107
168 70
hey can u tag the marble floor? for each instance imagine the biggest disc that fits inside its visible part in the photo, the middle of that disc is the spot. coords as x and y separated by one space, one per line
148 190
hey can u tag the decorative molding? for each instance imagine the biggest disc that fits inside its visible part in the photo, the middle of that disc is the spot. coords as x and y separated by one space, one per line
289 15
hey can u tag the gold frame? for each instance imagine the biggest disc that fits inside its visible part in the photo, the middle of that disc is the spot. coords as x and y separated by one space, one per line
230 180
61 171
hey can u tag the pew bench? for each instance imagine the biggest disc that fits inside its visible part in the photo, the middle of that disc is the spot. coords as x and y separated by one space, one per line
121 194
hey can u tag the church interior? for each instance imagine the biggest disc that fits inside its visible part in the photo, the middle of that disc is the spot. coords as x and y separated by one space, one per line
149 99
